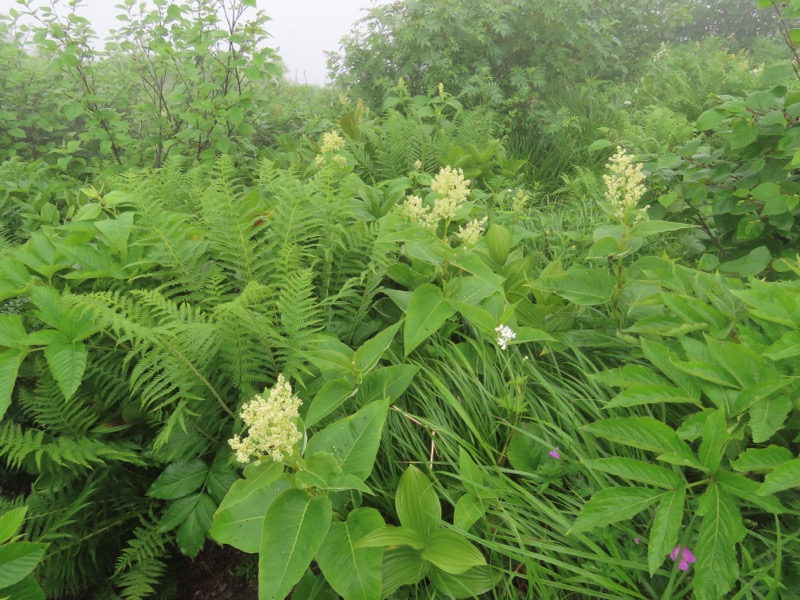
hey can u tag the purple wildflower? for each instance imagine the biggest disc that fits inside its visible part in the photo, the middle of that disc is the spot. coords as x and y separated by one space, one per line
686 557
555 453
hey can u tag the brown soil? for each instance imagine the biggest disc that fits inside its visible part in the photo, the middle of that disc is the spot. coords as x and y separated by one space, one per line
213 575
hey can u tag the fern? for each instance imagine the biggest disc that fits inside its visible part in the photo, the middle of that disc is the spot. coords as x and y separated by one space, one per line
141 566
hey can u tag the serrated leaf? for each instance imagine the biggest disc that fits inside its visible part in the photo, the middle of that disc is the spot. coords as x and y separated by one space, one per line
710 119
18 560
179 479
11 330
192 532
614 504
720 530
27 589
451 552
636 470
715 437
10 361
761 459
10 522
67 362
294 527
747 489
645 433
629 376
767 416
354 573
581 286
784 477
650 394
666 526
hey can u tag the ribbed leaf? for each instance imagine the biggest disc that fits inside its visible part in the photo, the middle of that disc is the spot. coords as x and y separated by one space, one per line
353 572
294 527
67 362
427 311
401 566
417 504
10 523
392 536
715 437
636 470
179 479
353 440
452 552
10 360
784 477
761 459
612 505
645 433
666 525
720 530
747 489
18 560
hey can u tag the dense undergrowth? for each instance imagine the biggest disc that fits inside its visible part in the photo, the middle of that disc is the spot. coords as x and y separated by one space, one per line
502 334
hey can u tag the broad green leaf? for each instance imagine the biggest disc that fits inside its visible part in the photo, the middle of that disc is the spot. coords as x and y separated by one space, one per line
468 510
786 347
10 523
392 536
647 228
353 440
651 394
743 134
761 459
710 119
629 376
355 573
498 242
11 330
599 145
368 355
386 383
784 477
662 357
582 286
636 470
614 504
747 489
235 115
720 530
645 433
294 527
179 479
715 437
427 311
470 584
452 552
27 589
472 263
417 504
329 397
192 531
479 317
666 526
18 560
750 265
10 361
238 519
767 417
67 362
401 566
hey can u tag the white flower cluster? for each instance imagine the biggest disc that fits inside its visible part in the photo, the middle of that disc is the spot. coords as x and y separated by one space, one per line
451 190
520 202
624 187
272 431
504 335
470 233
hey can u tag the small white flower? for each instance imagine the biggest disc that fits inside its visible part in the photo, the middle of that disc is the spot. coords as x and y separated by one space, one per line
504 335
